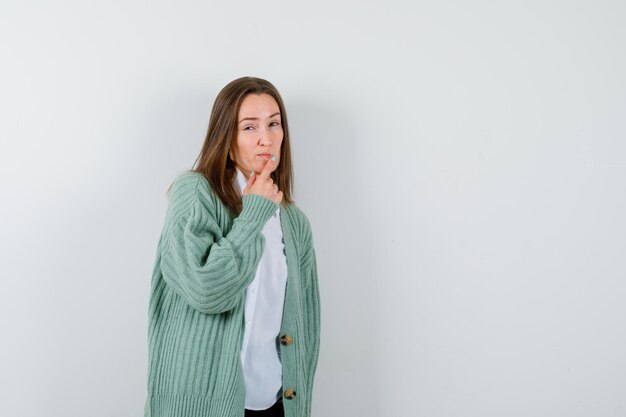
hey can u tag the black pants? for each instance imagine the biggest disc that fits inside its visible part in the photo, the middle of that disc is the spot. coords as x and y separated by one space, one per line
274 411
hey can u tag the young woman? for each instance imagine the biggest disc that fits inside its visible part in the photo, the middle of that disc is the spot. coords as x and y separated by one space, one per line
234 312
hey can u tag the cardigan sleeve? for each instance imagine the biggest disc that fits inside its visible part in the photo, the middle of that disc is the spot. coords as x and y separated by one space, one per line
312 306
208 270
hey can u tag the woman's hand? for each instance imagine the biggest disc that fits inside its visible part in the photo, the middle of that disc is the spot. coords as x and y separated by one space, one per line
263 184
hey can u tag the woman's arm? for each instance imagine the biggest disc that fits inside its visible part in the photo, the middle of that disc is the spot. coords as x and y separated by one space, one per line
208 270
312 305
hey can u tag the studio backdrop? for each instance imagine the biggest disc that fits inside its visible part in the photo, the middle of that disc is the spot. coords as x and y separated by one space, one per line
462 164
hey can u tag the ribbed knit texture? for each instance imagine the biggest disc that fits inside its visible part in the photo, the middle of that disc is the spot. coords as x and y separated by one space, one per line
205 260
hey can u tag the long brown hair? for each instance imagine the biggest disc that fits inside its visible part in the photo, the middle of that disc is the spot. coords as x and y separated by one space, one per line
214 161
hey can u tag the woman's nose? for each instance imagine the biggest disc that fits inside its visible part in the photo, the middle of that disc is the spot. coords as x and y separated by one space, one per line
265 139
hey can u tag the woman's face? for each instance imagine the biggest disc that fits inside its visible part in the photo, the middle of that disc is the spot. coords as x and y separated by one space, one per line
259 131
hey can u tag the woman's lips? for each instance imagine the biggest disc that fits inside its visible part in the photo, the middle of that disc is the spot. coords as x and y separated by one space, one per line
264 155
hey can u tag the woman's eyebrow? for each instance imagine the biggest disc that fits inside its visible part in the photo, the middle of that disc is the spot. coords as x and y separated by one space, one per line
256 118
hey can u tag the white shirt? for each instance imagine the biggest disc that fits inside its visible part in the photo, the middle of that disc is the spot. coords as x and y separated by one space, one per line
265 298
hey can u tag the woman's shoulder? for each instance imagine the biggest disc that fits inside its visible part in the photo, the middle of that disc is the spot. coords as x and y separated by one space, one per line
189 186
191 182
300 222
303 235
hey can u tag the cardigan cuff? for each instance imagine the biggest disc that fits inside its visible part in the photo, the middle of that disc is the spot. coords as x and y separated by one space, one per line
257 208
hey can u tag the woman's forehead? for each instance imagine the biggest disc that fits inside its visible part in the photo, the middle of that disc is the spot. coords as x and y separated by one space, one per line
255 105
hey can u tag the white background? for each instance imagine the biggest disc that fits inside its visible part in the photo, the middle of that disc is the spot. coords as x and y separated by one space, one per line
463 164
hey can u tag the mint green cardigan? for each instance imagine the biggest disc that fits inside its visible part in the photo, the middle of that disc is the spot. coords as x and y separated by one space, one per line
205 259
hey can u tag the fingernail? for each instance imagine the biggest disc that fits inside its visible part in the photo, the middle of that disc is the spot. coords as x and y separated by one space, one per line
251 173
273 157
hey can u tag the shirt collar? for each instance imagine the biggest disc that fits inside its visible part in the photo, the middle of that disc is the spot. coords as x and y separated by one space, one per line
241 181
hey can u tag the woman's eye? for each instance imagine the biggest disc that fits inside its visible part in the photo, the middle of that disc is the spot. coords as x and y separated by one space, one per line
252 127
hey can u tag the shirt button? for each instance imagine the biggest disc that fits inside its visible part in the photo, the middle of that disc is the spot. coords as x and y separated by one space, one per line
290 394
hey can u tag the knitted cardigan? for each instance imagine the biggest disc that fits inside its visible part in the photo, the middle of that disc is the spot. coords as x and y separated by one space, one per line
205 260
